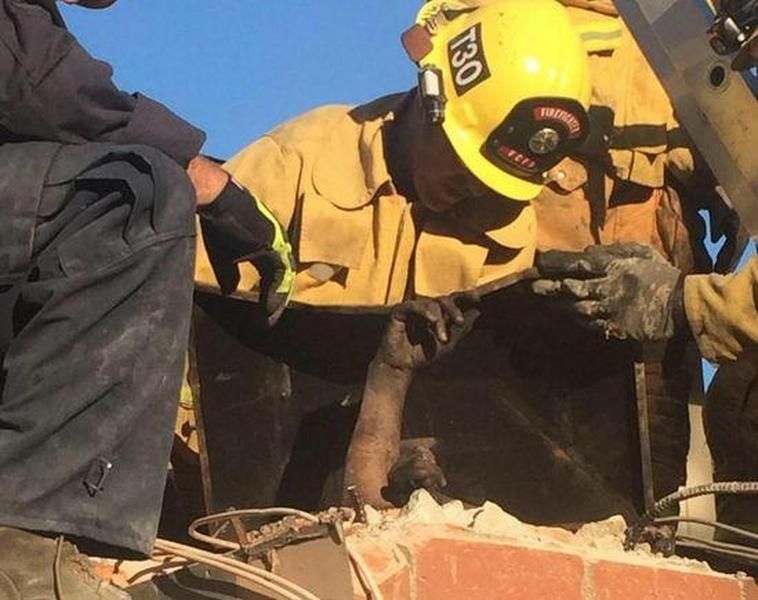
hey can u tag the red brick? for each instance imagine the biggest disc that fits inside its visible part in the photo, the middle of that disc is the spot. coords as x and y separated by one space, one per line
379 558
386 565
397 586
617 581
448 569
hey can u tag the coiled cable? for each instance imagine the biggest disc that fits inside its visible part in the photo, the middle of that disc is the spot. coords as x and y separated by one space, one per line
363 573
285 588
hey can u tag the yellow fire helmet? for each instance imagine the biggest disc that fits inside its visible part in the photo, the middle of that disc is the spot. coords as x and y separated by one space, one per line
511 79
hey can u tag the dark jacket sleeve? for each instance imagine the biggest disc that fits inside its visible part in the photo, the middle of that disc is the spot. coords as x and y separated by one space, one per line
52 89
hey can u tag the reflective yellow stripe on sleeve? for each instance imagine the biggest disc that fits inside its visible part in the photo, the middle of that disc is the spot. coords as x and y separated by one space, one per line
599 32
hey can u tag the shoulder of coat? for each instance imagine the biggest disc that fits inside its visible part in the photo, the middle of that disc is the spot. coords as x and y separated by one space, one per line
323 123
315 126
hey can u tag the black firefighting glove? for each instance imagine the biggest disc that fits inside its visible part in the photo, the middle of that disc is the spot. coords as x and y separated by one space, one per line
623 290
237 228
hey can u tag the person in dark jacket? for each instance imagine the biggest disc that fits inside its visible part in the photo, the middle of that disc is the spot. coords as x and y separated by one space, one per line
98 195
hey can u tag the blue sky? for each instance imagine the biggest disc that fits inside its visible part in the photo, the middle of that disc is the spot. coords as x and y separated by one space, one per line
236 68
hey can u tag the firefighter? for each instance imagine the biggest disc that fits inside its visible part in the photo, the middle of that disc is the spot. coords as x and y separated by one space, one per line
383 205
424 193
427 193
629 291
98 194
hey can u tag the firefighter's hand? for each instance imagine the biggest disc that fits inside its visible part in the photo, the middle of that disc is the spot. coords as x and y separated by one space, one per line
238 228
623 290
208 179
420 331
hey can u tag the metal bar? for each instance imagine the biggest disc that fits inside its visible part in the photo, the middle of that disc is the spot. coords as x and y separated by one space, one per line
193 377
577 468
378 309
643 422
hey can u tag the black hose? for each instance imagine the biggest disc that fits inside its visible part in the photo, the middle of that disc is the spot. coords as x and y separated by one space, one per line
715 524
718 547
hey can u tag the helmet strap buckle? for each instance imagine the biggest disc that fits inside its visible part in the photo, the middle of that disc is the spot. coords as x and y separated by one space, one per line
432 94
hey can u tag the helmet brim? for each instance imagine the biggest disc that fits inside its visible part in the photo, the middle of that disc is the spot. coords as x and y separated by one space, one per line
495 178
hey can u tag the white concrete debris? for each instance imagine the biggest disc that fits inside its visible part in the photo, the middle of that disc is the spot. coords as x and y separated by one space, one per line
602 540
603 535
374 518
488 519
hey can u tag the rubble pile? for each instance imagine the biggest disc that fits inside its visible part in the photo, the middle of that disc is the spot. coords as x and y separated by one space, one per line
602 540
